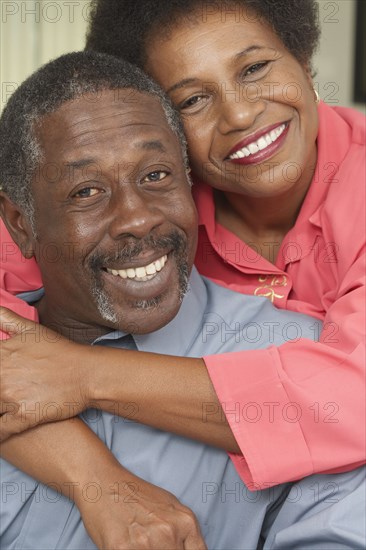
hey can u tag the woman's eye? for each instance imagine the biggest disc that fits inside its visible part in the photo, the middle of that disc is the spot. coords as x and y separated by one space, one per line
87 192
255 68
192 102
158 175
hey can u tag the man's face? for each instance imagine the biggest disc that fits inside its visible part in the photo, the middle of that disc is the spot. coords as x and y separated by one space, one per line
116 226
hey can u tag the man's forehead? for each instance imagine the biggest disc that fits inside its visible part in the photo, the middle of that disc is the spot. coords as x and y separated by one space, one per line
126 107
90 119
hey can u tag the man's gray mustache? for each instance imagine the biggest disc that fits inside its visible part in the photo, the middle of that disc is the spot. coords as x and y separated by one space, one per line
128 252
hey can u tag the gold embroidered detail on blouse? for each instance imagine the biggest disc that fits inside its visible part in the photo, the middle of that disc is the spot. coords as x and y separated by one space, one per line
267 290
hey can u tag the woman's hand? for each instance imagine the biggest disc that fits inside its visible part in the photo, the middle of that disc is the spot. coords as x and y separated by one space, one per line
135 515
34 390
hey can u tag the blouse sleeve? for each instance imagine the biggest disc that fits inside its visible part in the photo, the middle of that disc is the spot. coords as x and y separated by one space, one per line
17 274
309 396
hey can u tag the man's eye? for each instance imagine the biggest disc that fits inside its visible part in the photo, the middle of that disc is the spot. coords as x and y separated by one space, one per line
87 192
158 175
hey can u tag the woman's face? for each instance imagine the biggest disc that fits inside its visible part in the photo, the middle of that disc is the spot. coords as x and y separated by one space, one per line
247 104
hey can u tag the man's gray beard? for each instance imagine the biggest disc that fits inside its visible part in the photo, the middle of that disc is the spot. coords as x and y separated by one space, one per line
103 304
106 308
183 279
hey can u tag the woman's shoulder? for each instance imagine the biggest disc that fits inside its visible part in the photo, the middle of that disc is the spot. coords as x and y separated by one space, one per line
342 142
356 121
342 211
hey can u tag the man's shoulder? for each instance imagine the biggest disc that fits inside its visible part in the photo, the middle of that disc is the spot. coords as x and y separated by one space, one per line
234 321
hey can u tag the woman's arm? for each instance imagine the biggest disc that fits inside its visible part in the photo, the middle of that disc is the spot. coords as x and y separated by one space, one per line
310 396
70 456
304 395
307 395
38 388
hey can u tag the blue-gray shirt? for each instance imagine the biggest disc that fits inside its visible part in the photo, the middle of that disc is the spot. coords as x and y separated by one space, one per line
320 512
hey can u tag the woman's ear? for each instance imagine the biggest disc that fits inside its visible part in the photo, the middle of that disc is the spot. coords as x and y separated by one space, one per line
18 225
312 85
309 74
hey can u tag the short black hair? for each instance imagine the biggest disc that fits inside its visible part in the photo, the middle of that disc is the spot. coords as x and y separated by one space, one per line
123 27
64 79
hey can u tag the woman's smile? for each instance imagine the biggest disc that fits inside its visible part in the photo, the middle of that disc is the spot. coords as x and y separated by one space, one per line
261 146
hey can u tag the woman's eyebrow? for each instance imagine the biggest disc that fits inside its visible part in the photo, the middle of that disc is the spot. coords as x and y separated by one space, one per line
252 49
191 80
246 51
181 84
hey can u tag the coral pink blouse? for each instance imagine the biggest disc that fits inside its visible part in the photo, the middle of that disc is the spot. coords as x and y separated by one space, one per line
300 408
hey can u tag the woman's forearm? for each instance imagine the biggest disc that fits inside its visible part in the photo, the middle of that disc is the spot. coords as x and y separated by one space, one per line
169 393
173 394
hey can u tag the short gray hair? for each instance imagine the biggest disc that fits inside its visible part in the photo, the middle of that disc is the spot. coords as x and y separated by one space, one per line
66 78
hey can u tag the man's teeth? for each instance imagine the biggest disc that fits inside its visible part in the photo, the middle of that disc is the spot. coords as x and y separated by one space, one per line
144 273
262 143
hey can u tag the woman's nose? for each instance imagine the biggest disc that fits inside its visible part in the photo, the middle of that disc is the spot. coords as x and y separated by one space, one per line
238 109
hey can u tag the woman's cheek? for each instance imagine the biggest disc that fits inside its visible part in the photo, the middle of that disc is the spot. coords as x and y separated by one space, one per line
198 144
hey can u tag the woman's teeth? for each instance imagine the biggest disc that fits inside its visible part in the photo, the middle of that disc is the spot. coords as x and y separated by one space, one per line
144 273
262 143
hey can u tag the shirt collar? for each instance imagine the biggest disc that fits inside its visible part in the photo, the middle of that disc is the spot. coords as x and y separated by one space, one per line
177 336
31 296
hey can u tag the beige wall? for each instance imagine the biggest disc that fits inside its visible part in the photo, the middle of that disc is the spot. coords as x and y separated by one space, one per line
335 59
35 31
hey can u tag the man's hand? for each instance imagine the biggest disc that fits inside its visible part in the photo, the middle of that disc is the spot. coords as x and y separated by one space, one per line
33 390
135 515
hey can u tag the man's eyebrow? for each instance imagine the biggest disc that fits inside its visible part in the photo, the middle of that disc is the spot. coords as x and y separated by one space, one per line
77 164
187 81
153 145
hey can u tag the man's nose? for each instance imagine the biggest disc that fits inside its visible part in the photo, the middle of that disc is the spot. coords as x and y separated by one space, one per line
132 213
237 110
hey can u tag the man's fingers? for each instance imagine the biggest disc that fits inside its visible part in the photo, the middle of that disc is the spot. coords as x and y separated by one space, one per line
14 324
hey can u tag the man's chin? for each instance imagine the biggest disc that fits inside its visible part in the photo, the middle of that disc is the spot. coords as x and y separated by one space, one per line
145 316
146 306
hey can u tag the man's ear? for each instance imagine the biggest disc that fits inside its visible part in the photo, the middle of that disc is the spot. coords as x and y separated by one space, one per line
18 225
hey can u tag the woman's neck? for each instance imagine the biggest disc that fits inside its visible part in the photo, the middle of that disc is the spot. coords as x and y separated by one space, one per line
264 222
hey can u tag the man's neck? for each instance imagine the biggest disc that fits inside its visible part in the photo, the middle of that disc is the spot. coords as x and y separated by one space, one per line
77 331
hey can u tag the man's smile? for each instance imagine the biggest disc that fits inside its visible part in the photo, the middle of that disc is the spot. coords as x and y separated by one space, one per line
142 273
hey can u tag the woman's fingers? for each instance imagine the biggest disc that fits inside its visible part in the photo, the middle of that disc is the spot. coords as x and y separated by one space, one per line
14 324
